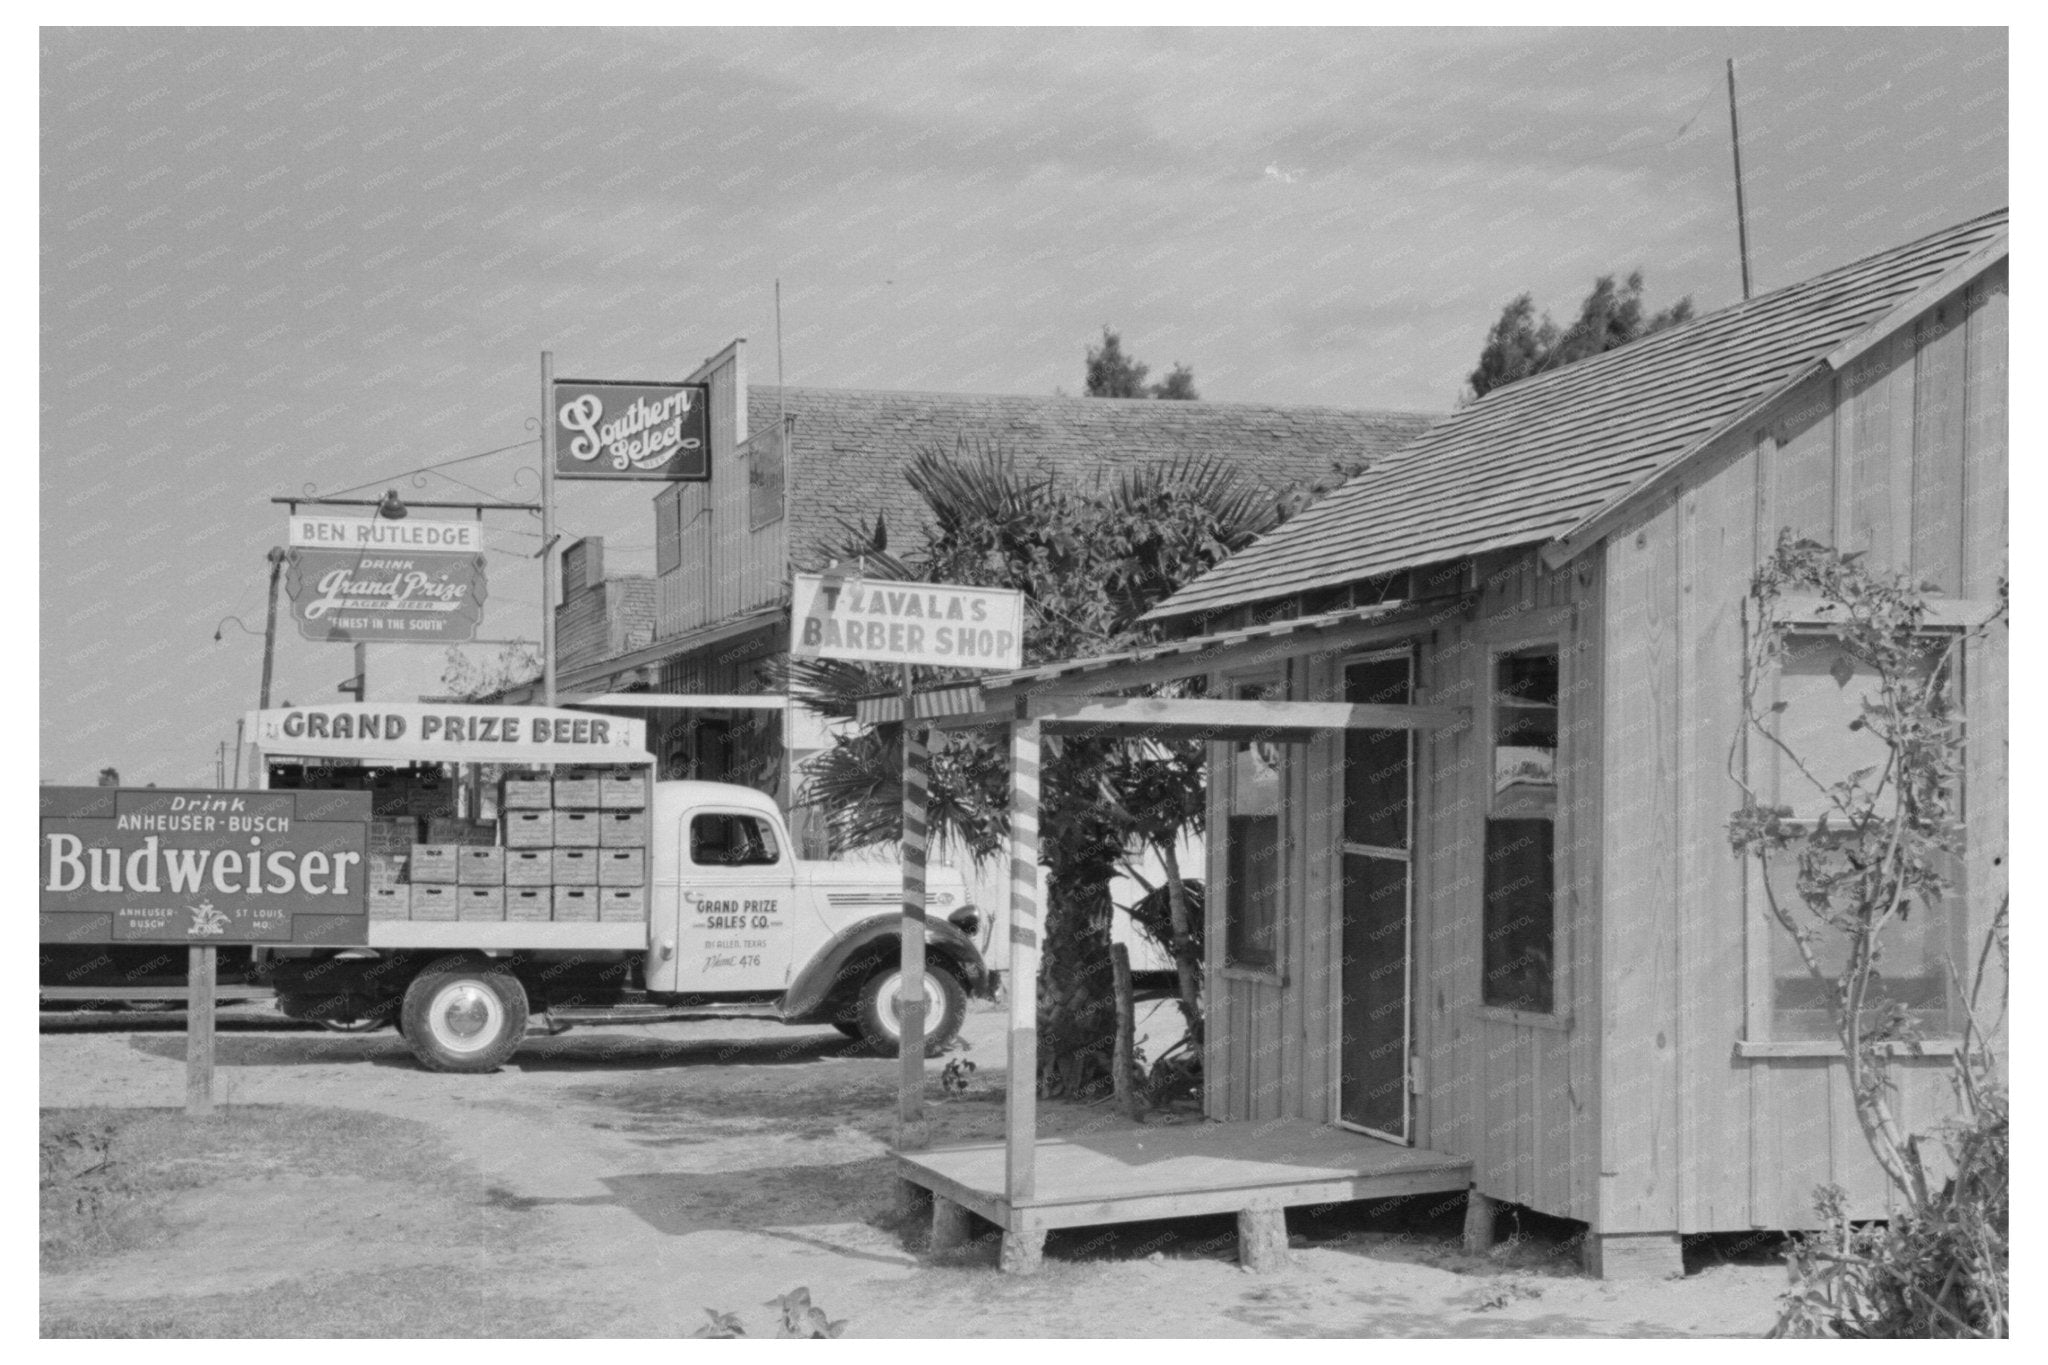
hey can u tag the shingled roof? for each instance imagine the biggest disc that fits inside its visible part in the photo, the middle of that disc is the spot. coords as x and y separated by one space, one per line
1533 461
850 446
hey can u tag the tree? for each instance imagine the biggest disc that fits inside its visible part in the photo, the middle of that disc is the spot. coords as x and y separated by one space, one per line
1112 374
517 662
1873 850
110 777
1519 344
1090 561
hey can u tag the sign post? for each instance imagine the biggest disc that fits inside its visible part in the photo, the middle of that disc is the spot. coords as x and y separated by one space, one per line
547 527
841 616
199 981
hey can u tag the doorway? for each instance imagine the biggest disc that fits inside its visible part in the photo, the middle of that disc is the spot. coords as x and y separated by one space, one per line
1375 968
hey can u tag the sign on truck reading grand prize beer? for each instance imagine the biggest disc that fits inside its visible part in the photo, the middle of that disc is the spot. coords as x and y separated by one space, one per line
607 430
162 865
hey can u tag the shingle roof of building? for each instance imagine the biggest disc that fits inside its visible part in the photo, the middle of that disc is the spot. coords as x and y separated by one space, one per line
1535 459
850 446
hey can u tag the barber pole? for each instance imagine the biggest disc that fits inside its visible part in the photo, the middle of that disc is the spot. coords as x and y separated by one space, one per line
911 1130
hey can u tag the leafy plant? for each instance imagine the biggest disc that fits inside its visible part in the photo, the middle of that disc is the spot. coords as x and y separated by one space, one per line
953 1078
1876 854
797 1319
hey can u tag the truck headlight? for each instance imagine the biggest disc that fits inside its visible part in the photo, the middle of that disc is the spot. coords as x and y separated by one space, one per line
966 919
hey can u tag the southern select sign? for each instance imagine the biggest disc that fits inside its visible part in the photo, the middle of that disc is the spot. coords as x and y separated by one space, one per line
839 616
161 865
606 430
447 732
370 578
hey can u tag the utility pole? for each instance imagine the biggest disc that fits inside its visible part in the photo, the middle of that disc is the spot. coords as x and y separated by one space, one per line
547 525
277 558
1741 218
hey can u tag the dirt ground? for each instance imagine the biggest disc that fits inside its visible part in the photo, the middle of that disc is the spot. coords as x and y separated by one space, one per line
620 1181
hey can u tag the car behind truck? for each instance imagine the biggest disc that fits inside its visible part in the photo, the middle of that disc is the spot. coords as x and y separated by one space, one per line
596 894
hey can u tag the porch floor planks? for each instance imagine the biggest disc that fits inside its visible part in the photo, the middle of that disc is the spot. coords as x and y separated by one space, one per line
1130 1175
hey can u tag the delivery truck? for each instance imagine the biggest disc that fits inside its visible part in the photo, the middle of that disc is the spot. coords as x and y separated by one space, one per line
524 869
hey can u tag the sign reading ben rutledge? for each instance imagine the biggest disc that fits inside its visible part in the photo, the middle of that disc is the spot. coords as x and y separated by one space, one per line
159 865
838 616
605 430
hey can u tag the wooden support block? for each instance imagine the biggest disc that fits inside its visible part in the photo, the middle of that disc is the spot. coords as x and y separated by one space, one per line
952 1225
1633 1256
1023 1250
1479 1220
910 1197
1262 1238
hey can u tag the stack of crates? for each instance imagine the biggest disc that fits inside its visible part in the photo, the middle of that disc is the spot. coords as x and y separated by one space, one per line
576 845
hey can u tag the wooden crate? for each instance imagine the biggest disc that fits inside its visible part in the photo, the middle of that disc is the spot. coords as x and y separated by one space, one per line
481 866
622 867
576 789
622 829
576 903
529 904
433 902
576 828
394 836
622 903
389 869
529 867
481 902
574 867
436 863
470 833
529 828
622 789
390 902
526 791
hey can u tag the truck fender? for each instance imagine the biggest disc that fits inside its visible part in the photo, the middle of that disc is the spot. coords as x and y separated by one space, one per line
813 989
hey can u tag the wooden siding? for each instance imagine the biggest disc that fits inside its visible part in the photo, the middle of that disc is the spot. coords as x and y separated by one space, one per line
1517 1098
721 566
1902 455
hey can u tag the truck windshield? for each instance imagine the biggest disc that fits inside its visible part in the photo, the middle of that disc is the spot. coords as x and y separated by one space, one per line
722 840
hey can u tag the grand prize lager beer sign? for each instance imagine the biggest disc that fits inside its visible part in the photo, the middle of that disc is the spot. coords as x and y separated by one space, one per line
370 578
161 865
608 430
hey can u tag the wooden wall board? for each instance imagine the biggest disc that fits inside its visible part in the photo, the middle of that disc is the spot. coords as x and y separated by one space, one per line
1938 401
1984 437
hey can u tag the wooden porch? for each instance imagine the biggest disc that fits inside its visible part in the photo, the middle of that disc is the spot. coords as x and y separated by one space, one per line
1128 1175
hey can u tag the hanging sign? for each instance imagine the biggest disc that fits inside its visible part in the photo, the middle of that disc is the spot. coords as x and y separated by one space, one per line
422 597
605 430
160 865
436 732
381 533
840 616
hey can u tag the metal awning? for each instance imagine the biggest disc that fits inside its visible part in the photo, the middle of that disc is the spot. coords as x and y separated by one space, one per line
683 701
1048 691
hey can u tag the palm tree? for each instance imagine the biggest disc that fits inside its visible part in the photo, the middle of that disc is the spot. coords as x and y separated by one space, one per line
1091 561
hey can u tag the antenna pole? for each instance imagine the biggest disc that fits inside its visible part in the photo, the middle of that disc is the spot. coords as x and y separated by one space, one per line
1741 217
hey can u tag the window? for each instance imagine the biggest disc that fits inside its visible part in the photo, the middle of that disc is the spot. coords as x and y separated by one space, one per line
1518 925
1252 854
724 840
1821 690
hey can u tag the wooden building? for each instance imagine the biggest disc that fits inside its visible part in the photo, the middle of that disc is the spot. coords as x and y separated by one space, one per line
1524 940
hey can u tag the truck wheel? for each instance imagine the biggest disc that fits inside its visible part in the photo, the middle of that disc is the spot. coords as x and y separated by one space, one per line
850 1027
462 1014
945 1006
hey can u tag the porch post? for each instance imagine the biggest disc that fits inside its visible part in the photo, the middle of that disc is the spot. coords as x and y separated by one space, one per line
1020 1185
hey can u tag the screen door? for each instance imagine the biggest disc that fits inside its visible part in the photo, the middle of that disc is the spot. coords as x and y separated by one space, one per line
1374 969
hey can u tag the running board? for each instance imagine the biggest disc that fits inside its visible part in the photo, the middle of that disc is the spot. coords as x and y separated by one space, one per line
662 1014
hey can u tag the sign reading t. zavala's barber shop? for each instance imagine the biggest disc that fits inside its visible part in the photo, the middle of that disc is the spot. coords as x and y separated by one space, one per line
607 430
160 865
842 616
371 578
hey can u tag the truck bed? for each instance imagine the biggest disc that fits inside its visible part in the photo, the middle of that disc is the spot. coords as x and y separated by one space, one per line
630 935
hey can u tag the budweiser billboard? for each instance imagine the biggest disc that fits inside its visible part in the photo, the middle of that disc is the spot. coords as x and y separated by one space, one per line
157 865
424 597
606 430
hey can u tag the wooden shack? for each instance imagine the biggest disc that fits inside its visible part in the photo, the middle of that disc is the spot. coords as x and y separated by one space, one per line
1524 940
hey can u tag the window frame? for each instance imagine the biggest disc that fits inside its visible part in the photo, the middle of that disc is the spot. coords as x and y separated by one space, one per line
1761 1033
1234 687
782 861
1492 650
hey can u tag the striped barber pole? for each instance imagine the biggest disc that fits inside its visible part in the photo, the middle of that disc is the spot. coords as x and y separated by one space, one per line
1021 1135
911 1131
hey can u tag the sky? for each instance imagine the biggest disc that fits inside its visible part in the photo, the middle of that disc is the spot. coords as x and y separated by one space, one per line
288 262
